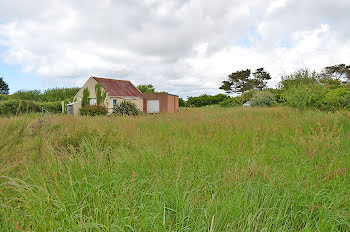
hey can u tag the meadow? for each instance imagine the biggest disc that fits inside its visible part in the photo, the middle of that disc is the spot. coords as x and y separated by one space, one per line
202 169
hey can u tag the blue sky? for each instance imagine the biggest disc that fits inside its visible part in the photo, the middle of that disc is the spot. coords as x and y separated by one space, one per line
18 80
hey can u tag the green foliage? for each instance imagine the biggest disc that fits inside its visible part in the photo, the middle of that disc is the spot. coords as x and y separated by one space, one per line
15 107
247 96
126 108
305 96
85 99
49 95
231 102
3 97
261 77
241 81
146 88
205 100
182 102
4 88
262 98
337 99
299 78
29 95
338 72
100 94
93 110
238 82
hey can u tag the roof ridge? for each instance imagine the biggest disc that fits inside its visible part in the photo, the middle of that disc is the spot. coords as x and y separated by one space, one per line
109 78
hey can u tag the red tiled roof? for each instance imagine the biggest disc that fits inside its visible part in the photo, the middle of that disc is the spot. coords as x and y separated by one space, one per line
118 88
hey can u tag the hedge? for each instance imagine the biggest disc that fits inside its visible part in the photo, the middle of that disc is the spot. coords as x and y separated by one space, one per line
15 107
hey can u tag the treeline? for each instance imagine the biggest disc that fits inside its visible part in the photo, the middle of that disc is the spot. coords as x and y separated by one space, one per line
28 101
328 90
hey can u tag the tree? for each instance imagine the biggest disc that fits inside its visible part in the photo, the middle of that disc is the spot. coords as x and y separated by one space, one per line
146 88
238 82
261 77
339 72
4 88
242 81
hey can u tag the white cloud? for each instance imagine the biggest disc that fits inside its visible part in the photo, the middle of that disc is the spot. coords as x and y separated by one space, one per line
185 47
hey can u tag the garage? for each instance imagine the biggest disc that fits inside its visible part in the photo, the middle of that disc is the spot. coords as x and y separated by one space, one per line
162 102
153 106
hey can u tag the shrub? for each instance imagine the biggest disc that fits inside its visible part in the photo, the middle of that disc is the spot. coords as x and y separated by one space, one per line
3 97
52 107
247 96
305 96
93 110
299 78
231 102
205 100
262 98
14 107
49 95
337 99
126 108
182 102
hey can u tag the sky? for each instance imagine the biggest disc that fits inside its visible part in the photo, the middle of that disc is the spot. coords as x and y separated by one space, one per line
185 47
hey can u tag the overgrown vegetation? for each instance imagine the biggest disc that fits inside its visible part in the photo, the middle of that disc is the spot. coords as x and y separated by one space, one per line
85 98
93 110
126 108
328 90
49 95
18 107
146 88
31 101
101 94
206 169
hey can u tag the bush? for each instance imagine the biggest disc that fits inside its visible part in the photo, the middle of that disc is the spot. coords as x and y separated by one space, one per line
3 97
205 100
247 95
262 98
49 95
93 110
231 102
15 107
52 107
126 108
182 102
305 96
337 99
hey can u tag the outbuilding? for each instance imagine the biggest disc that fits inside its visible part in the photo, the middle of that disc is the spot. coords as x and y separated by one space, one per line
160 103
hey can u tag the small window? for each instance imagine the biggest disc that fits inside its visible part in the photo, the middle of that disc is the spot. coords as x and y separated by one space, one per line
114 103
92 101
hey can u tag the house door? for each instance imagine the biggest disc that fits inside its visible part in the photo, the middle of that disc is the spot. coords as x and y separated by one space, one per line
70 109
152 106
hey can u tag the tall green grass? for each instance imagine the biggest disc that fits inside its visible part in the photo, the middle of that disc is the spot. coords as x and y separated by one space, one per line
209 169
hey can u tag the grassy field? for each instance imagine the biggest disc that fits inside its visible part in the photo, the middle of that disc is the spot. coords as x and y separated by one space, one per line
208 169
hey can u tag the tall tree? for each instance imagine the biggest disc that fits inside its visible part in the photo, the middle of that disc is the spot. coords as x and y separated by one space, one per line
261 77
241 81
238 82
339 72
146 88
4 88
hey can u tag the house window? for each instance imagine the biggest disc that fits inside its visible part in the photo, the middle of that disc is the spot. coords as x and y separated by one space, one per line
114 103
92 101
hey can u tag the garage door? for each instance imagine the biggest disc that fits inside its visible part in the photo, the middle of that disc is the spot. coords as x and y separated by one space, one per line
152 106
